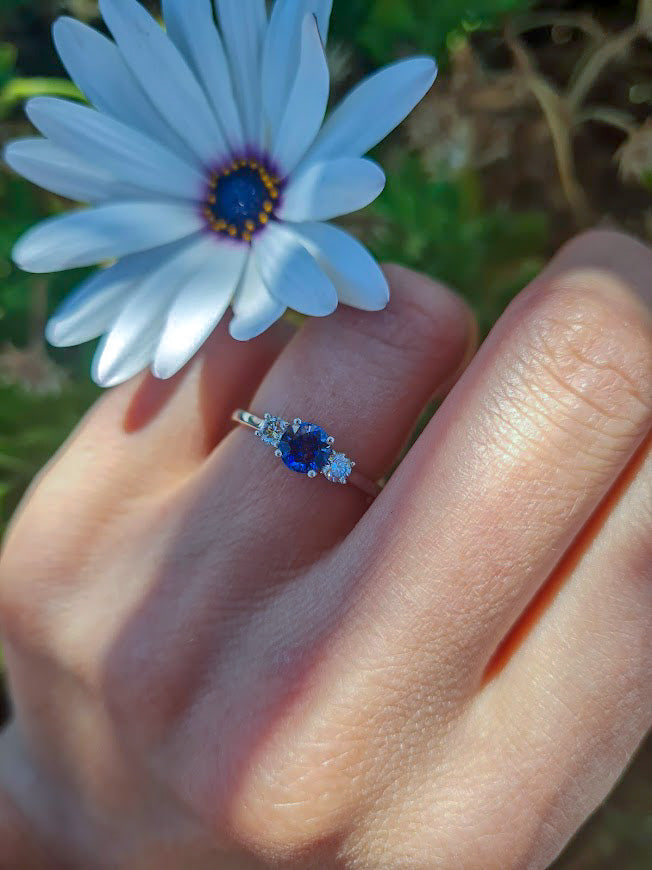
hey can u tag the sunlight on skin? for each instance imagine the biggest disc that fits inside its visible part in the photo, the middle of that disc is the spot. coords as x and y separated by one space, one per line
216 662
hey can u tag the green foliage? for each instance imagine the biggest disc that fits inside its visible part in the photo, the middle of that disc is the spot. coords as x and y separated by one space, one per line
446 229
7 7
17 90
385 28
21 206
32 427
7 63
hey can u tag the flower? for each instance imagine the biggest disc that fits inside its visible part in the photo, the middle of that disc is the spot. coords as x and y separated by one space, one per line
210 173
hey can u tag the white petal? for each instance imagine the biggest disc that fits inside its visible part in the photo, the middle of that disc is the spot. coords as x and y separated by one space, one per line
326 190
98 69
254 308
359 280
165 77
374 108
307 102
132 341
214 269
137 357
281 54
291 274
243 27
321 9
61 172
93 307
190 25
104 233
115 148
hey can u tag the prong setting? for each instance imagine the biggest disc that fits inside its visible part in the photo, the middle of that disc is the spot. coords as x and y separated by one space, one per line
304 447
339 468
272 429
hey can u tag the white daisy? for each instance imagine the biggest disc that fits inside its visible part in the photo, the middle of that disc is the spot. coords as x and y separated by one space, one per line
211 175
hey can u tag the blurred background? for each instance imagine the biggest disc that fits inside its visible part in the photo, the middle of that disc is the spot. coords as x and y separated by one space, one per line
538 126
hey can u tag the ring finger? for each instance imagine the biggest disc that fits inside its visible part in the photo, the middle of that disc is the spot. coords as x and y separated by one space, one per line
364 377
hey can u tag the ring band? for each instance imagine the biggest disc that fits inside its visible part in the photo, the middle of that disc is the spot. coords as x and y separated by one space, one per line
307 449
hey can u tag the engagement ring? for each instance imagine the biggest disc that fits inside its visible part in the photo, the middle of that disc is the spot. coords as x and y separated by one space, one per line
307 449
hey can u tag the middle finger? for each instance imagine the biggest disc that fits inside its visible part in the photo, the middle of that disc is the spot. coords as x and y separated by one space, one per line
517 460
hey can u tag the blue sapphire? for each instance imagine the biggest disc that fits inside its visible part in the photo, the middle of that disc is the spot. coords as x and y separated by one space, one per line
305 448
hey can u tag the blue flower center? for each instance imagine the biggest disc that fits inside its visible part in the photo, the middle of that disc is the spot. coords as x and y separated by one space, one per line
305 448
242 199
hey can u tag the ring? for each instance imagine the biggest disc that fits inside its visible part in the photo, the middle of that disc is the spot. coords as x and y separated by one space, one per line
307 449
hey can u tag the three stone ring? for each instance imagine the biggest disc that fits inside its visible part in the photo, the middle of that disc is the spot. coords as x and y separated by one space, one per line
306 449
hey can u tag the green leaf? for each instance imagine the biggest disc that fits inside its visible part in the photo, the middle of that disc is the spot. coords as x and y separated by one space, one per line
17 90
386 29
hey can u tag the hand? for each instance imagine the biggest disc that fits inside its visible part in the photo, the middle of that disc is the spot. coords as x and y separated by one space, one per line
217 663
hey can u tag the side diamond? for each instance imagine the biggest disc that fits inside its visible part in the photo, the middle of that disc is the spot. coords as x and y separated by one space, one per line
339 468
271 430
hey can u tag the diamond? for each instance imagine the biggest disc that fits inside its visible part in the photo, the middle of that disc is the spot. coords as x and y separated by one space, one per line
304 448
271 430
339 468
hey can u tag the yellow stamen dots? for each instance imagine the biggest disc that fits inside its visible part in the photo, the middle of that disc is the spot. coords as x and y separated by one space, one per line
241 199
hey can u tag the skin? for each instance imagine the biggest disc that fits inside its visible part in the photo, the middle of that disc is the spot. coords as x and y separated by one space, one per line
218 664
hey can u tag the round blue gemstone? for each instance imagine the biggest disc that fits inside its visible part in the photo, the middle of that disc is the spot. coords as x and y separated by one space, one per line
305 448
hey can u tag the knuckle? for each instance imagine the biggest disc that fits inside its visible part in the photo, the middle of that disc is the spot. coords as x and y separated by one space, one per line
589 346
147 680
425 327
300 792
24 580
607 249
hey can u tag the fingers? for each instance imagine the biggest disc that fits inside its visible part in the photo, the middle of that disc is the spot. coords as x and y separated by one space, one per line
517 459
232 540
181 419
368 375
364 377
139 440
189 414
145 434
572 704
